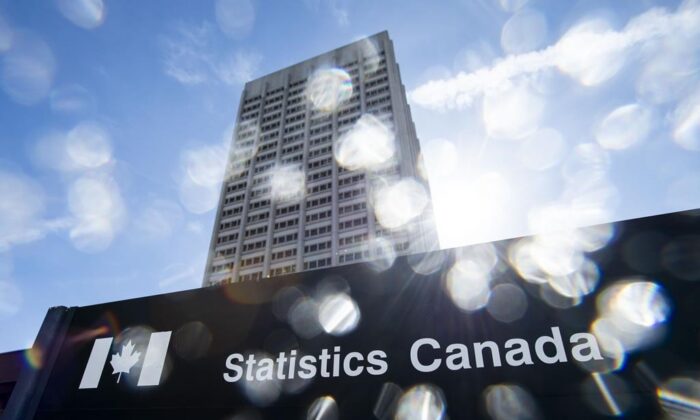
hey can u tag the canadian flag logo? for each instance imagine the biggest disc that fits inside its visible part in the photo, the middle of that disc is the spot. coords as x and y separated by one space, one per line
126 358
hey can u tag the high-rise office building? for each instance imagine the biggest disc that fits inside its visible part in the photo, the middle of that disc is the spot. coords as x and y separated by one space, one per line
323 170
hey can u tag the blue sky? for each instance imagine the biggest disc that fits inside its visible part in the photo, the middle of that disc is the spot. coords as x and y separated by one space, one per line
114 117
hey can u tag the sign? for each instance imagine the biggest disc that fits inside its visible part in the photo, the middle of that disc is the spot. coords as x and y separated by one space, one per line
469 332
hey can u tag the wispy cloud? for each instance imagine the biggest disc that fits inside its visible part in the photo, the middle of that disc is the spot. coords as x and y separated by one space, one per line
337 9
192 55
238 68
590 52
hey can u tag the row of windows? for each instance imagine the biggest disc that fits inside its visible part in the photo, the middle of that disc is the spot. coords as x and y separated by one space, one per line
320 129
376 82
319 163
320 151
265 156
258 204
254 245
318 202
313 232
230 225
352 256
354 239
351 180
233 199
320 140
293 128
270 126
227 238
231 212
260 191
252 99
293 159
293 148
267 146
271 117
225 252
287 253
349 224
252 261
260 180
223 267
287 210
321 246
283 270
351 208
347 195
263 168
319 188
292 139
285 238
235 187
251 276
318 216
256 231
323 262
286 224
319 175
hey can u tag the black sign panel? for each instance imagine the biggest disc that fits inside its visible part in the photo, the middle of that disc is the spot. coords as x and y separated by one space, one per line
490 330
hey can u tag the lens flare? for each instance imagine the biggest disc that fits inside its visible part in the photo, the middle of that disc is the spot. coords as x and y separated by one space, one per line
631 315
396 204
327 89
624 127
88 14
525 31
27 69
422 402
304 318
88 145
682 257
427 263
509 401
468 281
513 112
388 399
542 150
686 123
261 392
680 397
235 17
287 184
338 314
507 303
323 408
369 145
34 357
591 52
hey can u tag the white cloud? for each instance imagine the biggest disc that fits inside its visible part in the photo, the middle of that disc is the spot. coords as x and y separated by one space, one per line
238 68
201 173
160 219
235 17
86 146
21 209
98 212
193 55
10 298
87 14
27 69
180 276
590 52
337 9
71 99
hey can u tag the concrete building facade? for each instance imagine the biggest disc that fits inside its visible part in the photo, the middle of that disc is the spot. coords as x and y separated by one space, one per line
286 139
